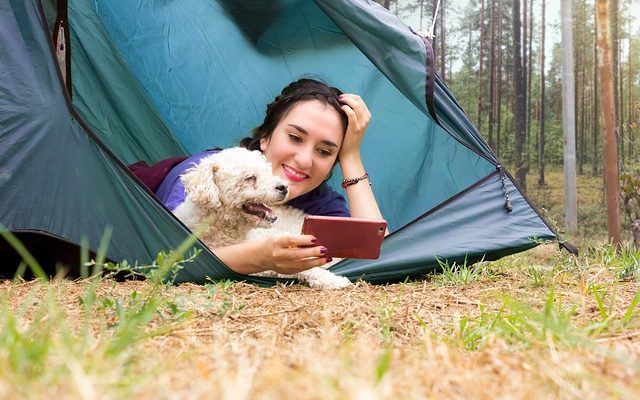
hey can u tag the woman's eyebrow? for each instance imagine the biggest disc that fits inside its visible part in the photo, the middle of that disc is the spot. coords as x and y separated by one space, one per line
302 130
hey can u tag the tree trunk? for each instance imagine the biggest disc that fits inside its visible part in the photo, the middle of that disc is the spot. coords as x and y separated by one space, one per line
529 75
499 80
580 89
615 51
568 118
632 139
492 79
480 67
443 64
525 71
594 122
519 101
542 99
612 188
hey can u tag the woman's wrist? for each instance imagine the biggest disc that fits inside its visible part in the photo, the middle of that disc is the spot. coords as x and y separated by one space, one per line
351 158
352 167
244 258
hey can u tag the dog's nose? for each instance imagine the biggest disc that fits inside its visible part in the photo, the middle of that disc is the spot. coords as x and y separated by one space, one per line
282 189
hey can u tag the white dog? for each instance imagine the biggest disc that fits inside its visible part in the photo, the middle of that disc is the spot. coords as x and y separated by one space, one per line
230 197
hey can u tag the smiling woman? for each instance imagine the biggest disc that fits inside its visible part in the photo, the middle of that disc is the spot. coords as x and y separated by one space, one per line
307 129
304 146
301 136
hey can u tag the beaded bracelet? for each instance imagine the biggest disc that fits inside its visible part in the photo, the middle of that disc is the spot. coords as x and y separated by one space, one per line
353 181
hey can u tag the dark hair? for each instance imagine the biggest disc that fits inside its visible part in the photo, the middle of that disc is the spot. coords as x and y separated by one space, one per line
300 90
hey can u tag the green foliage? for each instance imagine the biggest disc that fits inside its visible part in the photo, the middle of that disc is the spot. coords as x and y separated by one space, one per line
522 326
460 274
623 260
176 262
537 274
462 52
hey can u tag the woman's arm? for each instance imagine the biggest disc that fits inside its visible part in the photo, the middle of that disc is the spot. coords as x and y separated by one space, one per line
362 202
285 254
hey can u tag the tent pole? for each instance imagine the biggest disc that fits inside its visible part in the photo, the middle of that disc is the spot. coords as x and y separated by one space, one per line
431 35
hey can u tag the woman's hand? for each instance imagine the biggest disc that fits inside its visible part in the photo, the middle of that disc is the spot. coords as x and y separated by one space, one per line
362 202
359 117
290 254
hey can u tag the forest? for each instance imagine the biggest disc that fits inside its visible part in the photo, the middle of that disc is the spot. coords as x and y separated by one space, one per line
503 61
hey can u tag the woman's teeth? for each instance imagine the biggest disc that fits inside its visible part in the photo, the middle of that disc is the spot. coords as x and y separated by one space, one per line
294 173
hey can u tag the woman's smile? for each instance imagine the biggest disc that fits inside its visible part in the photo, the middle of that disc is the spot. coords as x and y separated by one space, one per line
294 175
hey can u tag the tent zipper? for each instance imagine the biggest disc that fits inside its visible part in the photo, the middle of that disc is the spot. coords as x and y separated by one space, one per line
507 202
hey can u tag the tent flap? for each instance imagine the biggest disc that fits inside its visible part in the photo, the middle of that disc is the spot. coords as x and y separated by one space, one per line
174 78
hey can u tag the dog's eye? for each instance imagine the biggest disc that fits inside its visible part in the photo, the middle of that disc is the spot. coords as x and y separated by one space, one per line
251 179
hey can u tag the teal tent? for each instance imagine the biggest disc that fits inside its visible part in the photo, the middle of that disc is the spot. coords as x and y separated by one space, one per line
156 79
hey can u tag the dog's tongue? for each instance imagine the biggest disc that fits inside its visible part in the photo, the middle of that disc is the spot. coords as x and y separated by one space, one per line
259 210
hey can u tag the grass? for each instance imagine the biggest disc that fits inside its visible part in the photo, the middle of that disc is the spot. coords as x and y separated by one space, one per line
540 324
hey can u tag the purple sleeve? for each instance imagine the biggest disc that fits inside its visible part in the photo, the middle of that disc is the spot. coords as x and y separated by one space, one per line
173 195
171 191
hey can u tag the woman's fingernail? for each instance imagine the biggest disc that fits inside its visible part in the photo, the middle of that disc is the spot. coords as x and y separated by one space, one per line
323 250
329 259
314 241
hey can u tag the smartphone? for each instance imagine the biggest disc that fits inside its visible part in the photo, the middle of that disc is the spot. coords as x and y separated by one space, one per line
346 237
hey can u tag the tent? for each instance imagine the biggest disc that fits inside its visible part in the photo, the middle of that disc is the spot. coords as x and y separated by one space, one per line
156 79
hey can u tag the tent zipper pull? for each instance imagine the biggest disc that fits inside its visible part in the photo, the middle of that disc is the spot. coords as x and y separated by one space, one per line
507 203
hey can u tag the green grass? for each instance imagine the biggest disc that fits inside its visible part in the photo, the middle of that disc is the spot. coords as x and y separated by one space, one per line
452 274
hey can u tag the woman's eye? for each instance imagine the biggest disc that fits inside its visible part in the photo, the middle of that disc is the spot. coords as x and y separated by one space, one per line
295 138
325 153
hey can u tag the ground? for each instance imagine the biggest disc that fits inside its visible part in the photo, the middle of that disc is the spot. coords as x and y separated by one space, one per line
540 324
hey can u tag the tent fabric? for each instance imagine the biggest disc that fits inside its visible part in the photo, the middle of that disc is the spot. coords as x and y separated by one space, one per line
211 82
156 79
434 238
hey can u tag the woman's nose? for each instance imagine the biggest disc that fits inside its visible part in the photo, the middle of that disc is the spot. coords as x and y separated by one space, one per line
304 158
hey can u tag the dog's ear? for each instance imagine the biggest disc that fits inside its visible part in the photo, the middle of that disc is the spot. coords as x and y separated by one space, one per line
200 184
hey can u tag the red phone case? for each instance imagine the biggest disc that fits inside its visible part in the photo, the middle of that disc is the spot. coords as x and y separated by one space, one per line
347 237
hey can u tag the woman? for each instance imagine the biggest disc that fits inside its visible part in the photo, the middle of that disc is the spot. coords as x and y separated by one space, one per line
307 129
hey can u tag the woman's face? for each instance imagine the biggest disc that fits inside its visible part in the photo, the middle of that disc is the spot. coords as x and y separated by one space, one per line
304 145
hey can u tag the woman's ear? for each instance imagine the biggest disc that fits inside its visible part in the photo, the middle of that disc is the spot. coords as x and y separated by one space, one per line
264 142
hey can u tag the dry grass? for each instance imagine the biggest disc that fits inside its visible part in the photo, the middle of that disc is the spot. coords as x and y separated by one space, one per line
237 341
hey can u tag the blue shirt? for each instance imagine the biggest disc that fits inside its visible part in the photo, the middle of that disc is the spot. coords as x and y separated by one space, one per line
322 200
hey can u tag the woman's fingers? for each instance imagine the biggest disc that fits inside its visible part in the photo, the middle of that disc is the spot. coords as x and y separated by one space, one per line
296 240
356 105
301 265
359 116
295 253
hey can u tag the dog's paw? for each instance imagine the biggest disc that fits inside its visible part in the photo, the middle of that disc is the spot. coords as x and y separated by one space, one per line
337 282
320 278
